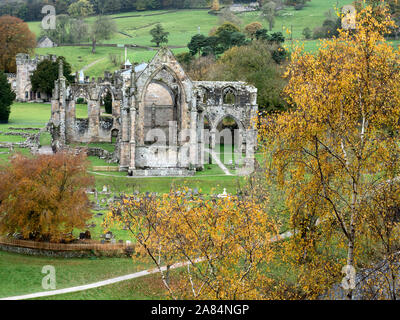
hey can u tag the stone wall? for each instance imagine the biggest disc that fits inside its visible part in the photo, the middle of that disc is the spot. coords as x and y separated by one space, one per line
25 68
61 254
157 118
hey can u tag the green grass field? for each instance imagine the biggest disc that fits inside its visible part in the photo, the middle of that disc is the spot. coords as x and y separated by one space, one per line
134 27
21 274
37 115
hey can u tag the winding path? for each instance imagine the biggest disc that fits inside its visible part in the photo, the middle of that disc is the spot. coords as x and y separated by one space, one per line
135 275
218 161
91 64
94 285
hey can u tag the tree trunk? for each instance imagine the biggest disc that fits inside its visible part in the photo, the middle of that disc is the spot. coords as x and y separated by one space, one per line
352 232
94 46
350 261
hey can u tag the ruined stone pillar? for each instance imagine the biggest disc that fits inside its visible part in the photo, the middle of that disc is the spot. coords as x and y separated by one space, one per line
70 120
62 106
213 137
125 143
200 140
94 118
116 106
132 165
251 136
193 135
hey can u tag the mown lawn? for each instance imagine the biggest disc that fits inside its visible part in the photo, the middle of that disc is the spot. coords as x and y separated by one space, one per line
145 288
22 274
34 115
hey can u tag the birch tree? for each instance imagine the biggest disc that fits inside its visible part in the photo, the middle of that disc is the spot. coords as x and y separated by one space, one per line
333 152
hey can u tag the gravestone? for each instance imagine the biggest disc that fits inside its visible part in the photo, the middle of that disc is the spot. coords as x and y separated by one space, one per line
223 195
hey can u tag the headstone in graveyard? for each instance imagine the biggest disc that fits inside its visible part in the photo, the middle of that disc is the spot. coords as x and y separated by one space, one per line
223 195
88 235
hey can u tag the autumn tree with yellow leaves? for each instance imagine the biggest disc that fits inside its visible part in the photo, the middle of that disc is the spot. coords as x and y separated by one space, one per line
226 242
336 154
215 5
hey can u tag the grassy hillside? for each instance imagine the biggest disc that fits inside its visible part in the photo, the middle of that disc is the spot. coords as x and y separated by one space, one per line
134 27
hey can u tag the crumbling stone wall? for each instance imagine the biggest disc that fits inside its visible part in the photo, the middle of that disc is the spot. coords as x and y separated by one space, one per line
25 68
157 117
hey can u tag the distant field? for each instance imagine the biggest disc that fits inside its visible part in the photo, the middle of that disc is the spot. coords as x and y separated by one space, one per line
183 24
134 27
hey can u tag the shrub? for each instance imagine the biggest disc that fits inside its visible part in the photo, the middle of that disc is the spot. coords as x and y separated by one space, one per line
307 33
80 101
7 97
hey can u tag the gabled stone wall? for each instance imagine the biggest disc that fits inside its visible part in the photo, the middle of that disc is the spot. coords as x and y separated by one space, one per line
158 116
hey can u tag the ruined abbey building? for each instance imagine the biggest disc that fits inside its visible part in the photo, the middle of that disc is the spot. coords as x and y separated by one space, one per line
21 81
158 116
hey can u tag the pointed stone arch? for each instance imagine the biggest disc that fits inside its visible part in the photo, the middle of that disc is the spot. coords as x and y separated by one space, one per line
229 95
175 81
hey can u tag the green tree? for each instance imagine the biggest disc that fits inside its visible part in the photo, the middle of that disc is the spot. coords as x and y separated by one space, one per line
102 29
268 13
108 103
46 74
159 35
307 33
7 97
254 64
81 8
196 44
226 26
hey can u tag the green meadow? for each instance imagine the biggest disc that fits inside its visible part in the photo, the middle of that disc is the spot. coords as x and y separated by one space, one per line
134 27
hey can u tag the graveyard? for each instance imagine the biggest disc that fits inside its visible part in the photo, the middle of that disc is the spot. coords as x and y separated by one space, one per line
31 118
